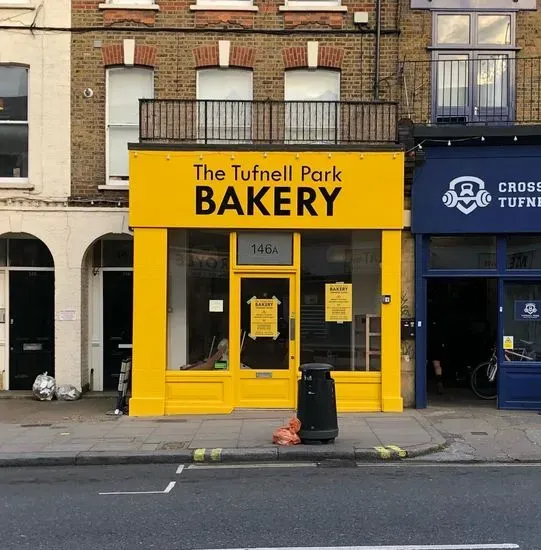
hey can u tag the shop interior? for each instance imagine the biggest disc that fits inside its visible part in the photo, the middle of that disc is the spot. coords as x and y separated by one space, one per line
462 315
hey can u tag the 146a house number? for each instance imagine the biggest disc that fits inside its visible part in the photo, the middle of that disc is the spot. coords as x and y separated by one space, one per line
262 248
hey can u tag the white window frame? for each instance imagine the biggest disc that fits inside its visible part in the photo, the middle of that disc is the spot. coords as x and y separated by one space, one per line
313 5
247 5
115 183
331 132
14 181
249 93
129 4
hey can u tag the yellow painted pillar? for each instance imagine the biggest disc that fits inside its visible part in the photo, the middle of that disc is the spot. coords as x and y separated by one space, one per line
149 322
391 266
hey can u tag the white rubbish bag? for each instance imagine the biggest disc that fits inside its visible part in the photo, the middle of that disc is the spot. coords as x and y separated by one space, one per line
44 387
67 392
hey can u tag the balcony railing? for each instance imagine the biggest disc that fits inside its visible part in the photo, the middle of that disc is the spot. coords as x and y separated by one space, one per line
472 88
265 122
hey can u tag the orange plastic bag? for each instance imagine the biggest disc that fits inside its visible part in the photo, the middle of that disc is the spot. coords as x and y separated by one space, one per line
287 435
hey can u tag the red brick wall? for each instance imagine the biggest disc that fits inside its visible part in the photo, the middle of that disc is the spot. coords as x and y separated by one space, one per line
176 41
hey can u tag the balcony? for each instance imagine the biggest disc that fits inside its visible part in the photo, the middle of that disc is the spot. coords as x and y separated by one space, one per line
472 89
266 122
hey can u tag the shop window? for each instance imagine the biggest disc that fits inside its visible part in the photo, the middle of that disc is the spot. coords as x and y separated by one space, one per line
310 112
522 322
13 123
125 86
523 252
346 257
198 300
462 252
225 107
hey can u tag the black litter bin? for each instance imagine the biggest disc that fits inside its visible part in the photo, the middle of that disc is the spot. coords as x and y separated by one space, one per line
316 407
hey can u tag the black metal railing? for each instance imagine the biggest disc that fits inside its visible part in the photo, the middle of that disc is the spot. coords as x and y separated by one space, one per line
282 122
466 88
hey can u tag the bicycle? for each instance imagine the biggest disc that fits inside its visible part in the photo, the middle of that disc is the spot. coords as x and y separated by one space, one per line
483 377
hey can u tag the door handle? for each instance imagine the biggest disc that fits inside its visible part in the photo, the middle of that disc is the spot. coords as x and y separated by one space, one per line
292 329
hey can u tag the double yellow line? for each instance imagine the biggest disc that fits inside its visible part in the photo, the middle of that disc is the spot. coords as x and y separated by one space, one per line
215 455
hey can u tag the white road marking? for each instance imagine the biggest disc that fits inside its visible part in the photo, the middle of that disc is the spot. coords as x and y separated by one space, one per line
449 465
168 489
251 466
406 547
180 468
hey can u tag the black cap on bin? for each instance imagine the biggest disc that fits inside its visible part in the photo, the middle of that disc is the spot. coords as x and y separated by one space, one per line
315 366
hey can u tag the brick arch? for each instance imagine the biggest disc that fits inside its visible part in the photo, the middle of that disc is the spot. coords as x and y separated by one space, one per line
242 56
206 56
113 54
145 56
329 57
239 56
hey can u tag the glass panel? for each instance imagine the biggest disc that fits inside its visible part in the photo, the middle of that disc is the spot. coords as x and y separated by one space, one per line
492 81
522 322
125 88
3 252
305 120
494 29
119 137
462 252
453 29
523 252
264 322
264 248
117 252
198 300
226 114
453 81
29 253
13 150
13 93
349 257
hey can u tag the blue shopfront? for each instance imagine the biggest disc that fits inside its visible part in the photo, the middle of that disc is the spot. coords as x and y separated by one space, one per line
476 218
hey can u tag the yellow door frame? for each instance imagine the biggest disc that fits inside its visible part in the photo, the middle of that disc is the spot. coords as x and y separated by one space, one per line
246 382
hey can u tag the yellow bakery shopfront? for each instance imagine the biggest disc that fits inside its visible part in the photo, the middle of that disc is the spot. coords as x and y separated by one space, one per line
248 264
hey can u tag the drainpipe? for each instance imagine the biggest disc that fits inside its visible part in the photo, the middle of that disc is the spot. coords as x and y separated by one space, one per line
378 36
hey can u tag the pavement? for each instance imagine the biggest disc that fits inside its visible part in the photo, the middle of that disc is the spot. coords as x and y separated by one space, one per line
85 432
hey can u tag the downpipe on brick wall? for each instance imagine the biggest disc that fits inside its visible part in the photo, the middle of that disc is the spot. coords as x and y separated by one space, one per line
378 36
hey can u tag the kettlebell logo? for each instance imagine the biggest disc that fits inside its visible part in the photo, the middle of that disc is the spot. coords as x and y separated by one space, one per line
466 193
530 309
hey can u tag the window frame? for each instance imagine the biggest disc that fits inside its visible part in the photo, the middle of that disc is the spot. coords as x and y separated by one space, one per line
473 43
313 5
224 71
472 113
333 129
111 183
19 180
222 4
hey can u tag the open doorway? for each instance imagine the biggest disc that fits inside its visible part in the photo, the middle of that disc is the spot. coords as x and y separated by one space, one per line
462 320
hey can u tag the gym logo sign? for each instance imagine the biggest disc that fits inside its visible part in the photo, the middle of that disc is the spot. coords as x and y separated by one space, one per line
466 193
527 310
530 309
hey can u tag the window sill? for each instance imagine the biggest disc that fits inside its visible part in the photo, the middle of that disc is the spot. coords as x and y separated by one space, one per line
114 187
16 183
14 6
112 6
312 8
228 7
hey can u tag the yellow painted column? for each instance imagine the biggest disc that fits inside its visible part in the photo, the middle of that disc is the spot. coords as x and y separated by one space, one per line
149 322
391 261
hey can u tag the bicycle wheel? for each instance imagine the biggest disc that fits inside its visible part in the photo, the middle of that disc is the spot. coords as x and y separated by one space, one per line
481 386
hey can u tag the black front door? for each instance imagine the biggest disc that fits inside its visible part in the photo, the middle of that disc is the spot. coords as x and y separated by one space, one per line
117 323
31 328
